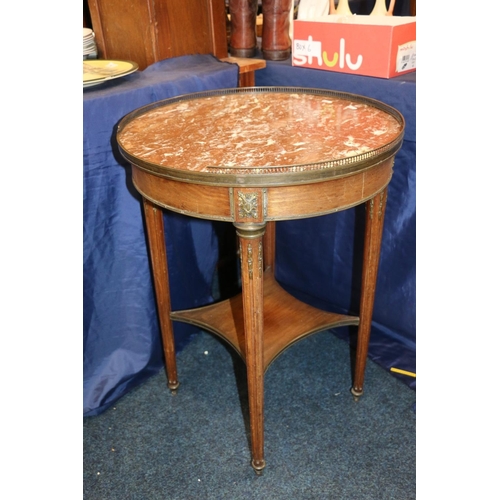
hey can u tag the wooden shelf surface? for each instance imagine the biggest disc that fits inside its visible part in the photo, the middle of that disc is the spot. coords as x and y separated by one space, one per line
286 320
246 64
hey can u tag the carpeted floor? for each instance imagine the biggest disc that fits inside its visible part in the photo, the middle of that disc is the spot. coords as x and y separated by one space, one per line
319 442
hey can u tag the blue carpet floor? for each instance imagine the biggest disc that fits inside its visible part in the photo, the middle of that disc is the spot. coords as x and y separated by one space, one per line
319 442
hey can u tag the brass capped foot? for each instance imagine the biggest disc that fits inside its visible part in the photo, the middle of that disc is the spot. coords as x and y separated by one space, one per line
356 394
258 466
173 386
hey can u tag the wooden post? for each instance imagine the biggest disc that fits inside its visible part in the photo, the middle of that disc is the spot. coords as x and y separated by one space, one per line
158 252
252 279
375 210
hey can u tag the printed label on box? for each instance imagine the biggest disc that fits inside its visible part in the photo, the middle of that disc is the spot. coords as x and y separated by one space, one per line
306 51
407 57
308 48
382 48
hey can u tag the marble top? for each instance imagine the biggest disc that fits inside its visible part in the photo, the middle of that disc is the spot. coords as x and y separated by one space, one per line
260 132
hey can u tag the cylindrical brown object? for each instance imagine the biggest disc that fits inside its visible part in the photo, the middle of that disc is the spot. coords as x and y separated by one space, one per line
276 44
243 40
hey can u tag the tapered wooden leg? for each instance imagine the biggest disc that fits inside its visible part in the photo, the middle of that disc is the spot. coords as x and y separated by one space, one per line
375 210
251 252
158 252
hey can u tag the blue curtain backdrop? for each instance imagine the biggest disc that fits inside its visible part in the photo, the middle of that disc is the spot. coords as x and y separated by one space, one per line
122 345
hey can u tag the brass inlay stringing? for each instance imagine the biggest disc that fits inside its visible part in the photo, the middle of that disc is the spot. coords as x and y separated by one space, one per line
250 261
247 204
381 205
279 169
371 209
260 259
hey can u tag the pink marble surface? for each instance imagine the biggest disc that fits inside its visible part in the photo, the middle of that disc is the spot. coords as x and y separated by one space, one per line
253 131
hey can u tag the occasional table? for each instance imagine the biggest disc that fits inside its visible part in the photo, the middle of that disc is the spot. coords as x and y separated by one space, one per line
254 156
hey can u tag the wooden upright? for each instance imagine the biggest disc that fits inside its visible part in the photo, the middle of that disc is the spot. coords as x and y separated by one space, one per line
147 31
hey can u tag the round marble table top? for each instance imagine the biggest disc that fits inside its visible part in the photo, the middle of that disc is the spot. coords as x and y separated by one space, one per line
261 131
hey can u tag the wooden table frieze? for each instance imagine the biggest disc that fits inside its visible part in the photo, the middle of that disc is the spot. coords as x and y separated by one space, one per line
252 157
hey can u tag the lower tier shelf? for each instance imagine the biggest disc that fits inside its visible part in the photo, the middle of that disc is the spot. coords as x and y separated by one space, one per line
286 320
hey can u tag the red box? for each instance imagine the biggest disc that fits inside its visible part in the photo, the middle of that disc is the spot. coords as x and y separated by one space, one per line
381 46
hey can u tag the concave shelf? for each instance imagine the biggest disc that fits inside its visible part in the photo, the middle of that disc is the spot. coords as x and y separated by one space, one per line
286 320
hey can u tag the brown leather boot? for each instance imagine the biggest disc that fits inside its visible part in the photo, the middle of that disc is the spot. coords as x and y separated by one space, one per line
243 41
276 43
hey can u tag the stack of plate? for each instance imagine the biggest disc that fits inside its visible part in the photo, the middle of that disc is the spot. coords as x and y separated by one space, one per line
89 46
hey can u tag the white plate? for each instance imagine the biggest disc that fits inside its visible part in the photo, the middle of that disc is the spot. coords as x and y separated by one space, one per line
96 71
89 50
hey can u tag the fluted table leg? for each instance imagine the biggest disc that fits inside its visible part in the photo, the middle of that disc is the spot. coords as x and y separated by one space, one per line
251 253
158 252
375 210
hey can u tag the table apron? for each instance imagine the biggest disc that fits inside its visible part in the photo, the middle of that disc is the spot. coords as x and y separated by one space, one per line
260 204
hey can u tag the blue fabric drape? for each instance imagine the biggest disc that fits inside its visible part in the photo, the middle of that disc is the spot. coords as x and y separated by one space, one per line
122 345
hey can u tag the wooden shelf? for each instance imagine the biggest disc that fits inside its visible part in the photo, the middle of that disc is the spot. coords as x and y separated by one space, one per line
246 64
247 67
286 320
